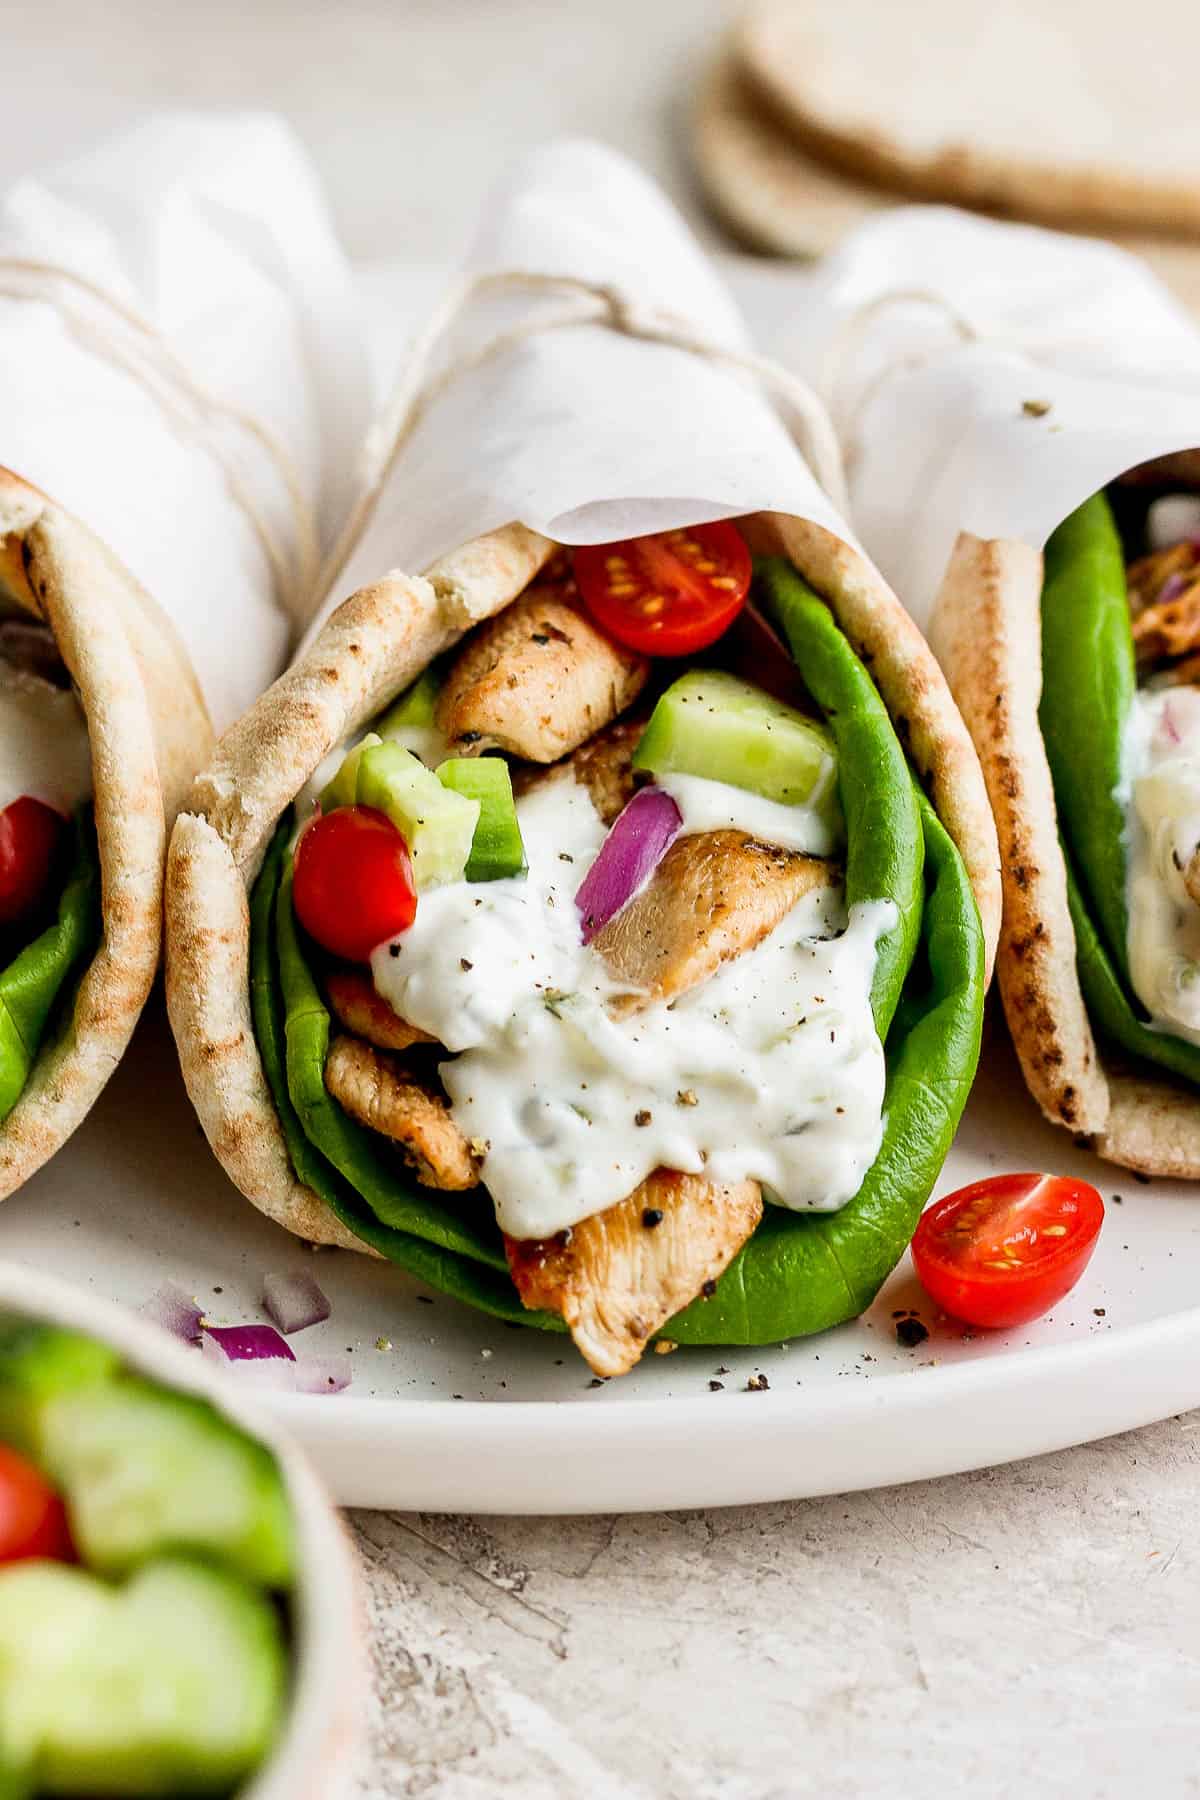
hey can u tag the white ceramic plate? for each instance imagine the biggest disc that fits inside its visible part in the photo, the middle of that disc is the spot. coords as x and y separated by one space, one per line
448 1410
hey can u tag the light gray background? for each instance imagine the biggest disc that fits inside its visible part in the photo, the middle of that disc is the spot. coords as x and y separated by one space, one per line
1030 1630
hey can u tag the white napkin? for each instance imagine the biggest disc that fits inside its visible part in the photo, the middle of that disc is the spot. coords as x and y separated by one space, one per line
585 434
1085 367
214 230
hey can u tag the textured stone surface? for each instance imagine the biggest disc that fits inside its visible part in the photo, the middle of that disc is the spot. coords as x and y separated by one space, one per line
1034 1628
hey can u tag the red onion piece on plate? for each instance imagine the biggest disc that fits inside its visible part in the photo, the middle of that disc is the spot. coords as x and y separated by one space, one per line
294 1302
176 1311
1172 587
258 1356
248 1343
629 855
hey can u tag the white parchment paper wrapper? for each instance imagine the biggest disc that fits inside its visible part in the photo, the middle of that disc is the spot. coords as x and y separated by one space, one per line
585 434
938 432
214 230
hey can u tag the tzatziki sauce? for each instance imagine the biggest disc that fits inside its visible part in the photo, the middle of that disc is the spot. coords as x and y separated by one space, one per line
772 1069
44 748
1161 794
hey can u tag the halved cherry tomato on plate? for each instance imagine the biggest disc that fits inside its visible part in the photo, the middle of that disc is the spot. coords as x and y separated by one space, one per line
670 593
1005 1250
353 886
33 1520
30 835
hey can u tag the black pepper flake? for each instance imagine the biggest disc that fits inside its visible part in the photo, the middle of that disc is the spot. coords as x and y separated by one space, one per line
1138 1176
393 949
1035 409
911 1332
723 1370
425 1299
218 1290
709 1288
716 1387
465 966
1099 1311
643 1117
757 1384
1118 1199
652 1216
538 637
565 856
595 1382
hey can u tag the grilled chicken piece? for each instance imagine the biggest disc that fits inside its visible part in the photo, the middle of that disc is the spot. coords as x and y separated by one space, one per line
604 765
357 1006
714 895
371 1086
1164 603
617 1277
536 681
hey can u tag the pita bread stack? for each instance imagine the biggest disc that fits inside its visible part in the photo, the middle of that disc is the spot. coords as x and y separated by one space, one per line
820 111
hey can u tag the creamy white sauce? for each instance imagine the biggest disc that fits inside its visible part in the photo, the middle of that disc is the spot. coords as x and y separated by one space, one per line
1161 795
716 806
772 1069
44 748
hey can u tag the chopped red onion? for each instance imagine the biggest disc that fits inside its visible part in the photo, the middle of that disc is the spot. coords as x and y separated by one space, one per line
249 1343
259 1357
294 1302
628 857
175 1310
1172 587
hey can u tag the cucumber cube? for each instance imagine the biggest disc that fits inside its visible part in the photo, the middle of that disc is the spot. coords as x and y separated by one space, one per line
38 1362
496 848
713 724
438 825
172 1685
343 789
145 1470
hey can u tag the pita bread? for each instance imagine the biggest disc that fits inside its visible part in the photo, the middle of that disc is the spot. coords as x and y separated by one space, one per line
986 631
1044 111
147 728
780 198
371 647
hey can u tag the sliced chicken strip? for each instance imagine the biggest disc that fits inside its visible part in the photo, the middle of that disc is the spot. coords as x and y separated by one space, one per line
360 1009
617 1277
714 895
536 681
371 1086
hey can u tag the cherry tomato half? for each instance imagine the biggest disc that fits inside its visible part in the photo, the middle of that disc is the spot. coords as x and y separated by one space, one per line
670 593
353 886
33 1520
30 834
1003 1251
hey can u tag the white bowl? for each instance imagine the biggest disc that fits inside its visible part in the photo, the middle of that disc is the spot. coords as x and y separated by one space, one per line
317 1754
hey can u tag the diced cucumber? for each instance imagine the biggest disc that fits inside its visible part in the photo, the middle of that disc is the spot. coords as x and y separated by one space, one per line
438 824
496 848
145 1470
174 1684
713 724
343 789
38 1362
414 707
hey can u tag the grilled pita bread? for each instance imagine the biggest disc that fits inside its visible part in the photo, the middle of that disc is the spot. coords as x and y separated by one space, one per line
779 195
986 631
148 730
1028 109
377 642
